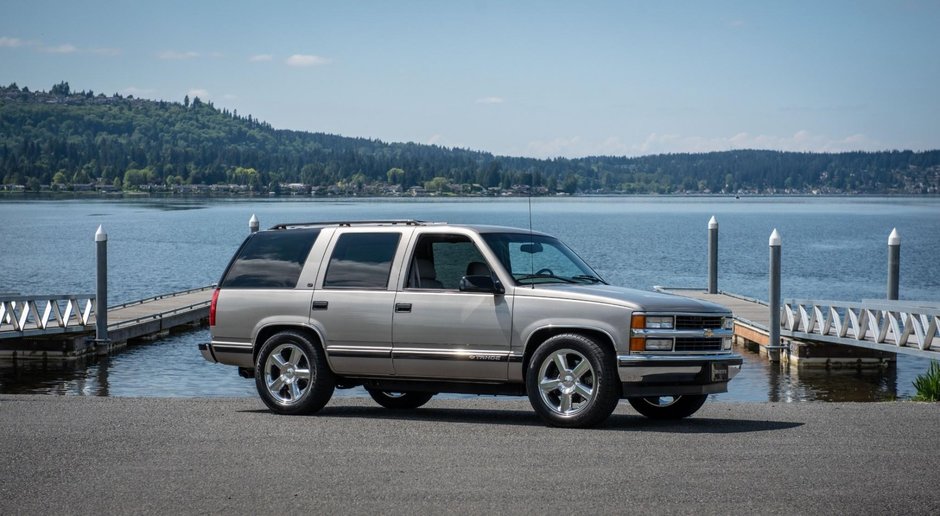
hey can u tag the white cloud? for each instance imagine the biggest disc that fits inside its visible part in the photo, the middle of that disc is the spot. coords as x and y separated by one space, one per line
138 92
800 141
302 60
434 140
173 55
490 100
7 42
198 92
554 148
664 143
260 58
61 49
106 51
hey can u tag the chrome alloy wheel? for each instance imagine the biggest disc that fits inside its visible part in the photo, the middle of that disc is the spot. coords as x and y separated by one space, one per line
566 382
287 373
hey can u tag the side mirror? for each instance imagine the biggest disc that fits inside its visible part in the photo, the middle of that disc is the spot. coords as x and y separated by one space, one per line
484 284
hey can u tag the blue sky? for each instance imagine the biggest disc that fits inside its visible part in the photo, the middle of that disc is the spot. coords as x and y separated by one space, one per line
541 79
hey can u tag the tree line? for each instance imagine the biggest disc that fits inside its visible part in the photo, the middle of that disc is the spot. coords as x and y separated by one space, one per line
79 137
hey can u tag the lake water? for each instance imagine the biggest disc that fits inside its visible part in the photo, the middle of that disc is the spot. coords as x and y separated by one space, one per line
833 248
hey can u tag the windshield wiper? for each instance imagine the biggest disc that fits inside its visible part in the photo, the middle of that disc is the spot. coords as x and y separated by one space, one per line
586 277
545 276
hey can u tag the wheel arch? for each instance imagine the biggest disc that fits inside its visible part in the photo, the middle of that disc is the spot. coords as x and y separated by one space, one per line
601 337
269 331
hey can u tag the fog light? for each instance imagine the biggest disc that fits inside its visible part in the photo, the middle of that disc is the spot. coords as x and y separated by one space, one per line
658 344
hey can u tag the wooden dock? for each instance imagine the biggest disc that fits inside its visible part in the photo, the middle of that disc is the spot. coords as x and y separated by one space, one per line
751 330
145 319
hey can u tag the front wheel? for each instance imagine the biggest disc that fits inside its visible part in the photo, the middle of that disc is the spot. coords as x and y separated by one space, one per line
572 381
400 400
668 407
292 375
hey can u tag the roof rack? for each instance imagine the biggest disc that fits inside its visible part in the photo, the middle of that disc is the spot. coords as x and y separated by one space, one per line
391 222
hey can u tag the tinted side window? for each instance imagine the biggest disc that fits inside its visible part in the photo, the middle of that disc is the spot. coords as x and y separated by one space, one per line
362 260
270 259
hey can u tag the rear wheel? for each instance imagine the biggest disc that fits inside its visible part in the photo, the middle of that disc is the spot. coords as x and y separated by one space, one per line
668 407
292 376
572 382
400 400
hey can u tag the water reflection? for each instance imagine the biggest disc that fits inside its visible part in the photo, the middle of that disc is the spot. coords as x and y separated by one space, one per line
173 367
760 380
75 377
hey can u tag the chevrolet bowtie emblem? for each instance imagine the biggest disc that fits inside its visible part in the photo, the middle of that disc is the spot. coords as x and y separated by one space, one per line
709 333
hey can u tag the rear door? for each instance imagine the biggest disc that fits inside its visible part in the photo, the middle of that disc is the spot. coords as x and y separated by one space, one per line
352 306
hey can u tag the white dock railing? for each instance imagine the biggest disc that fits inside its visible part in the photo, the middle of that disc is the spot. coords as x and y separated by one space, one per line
21 315
908 327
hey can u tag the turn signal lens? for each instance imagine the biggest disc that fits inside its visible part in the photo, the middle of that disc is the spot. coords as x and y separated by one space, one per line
638 322
637 344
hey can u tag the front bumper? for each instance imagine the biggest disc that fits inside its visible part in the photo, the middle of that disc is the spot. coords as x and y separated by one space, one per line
677 374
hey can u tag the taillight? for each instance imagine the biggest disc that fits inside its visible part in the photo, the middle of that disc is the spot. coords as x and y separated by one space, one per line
212 305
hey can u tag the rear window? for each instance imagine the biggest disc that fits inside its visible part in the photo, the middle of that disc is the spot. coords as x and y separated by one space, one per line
270 259
362 260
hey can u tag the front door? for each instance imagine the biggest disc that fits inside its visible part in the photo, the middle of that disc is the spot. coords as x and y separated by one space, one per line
439 331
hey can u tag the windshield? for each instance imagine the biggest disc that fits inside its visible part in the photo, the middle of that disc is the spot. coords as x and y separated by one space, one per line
534 259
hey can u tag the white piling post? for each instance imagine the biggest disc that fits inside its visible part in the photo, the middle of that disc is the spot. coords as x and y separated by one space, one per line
773 344
253 224
894 264
713 256
102 343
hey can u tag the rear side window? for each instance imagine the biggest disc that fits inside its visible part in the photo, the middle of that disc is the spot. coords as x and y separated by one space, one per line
270 259
362 260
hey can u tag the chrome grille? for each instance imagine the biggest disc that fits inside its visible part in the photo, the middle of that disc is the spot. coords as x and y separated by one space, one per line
697 322
698 344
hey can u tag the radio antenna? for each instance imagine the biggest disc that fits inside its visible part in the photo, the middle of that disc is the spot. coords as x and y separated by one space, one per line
531 237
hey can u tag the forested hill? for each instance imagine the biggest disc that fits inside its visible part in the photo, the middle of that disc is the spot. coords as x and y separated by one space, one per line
65 138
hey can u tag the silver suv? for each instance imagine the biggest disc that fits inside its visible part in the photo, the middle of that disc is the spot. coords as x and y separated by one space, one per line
408 309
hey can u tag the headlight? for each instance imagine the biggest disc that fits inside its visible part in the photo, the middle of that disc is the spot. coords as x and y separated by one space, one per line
657 322
727 323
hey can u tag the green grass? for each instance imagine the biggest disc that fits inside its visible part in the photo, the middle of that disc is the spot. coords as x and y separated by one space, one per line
928 384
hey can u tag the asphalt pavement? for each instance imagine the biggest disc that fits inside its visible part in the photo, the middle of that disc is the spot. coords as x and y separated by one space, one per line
87 455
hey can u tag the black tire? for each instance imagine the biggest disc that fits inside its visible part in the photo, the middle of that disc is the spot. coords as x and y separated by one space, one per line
582 395
291 374
400 400
668 407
